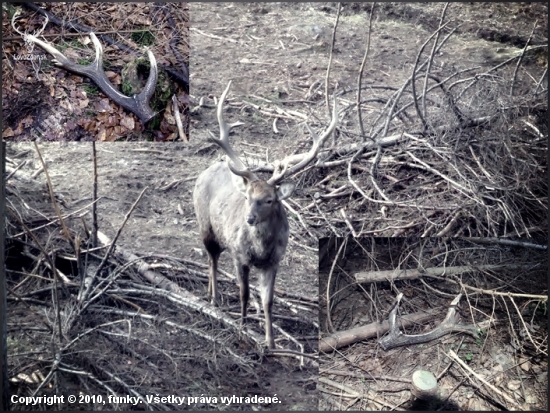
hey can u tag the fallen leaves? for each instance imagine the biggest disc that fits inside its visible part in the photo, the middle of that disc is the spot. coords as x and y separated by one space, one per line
102 105
128 122
25 123
109 126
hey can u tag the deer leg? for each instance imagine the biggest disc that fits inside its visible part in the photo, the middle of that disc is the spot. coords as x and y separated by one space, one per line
242 276
267 282
214 252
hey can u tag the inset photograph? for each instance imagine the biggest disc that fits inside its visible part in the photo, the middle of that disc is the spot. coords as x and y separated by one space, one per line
433 324
95 71
441 111
111 291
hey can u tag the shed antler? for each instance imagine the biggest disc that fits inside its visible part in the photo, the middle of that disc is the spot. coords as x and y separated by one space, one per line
137 104
449 325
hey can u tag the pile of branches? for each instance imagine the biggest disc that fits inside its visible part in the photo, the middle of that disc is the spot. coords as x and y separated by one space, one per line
452 151
93 315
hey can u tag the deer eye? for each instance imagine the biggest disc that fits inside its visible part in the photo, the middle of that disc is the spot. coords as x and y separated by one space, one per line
269 201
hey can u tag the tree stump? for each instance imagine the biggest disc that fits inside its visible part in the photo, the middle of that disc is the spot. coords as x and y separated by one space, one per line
424 385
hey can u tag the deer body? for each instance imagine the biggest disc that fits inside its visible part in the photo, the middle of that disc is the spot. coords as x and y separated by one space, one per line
239 212
249 222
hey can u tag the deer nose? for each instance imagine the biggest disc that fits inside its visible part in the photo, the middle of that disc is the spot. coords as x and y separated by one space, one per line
251 219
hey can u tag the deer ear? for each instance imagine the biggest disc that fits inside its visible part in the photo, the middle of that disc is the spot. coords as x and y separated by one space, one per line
285 190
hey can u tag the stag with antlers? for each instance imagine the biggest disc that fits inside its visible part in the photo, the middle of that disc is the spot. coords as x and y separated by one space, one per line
238 211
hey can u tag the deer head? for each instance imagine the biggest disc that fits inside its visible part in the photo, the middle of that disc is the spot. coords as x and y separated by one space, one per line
282 170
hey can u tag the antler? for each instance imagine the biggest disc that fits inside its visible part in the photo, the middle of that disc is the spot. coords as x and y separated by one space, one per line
223 141
282 170
137 104
449 325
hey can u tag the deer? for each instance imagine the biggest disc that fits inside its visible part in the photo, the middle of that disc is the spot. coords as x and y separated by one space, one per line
238 211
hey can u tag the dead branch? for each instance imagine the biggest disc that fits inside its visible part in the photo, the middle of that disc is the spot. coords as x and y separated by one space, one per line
347 337
327 76
504 241
175 292
453 355
521 58
410 274
329 322
66 232
360 77
111 246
